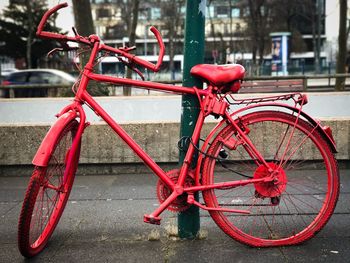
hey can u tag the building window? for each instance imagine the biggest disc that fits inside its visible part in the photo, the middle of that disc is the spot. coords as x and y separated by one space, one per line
155 13
222 11
102 12
235 12
143 14
246 12
210 11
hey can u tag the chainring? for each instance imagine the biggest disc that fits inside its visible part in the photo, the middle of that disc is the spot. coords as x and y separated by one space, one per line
163 192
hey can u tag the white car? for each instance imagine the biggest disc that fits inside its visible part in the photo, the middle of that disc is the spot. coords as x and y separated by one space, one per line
32 77
8 71
39 76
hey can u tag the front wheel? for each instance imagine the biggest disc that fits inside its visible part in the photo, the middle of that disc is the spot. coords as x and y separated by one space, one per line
47 193
289 210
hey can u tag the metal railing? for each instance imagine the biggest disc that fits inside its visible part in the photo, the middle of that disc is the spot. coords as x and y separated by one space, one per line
309 83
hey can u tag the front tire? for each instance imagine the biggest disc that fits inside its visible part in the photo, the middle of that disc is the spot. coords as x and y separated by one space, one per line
47 194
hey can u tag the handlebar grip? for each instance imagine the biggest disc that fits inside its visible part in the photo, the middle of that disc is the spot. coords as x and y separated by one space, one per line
47 15
161 48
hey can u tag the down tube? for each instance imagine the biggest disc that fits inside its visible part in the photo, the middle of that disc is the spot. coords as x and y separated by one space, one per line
128 140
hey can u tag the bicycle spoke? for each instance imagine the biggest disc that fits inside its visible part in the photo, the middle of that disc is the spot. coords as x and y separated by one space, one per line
297 147
50 194
289 209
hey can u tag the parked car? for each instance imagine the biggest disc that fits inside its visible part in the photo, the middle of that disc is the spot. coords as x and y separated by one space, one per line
7 71
37 76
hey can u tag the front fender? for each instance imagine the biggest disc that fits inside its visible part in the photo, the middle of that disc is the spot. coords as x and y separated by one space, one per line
42 156
324 131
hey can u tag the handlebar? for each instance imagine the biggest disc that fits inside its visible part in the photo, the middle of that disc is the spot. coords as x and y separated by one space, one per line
84 40
47 15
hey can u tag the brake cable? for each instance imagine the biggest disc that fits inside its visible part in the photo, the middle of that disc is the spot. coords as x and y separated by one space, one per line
183 146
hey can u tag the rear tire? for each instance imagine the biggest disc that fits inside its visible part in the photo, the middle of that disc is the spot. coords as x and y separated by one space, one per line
286 212
47 194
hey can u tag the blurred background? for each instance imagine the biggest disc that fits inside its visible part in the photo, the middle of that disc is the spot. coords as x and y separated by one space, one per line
268 37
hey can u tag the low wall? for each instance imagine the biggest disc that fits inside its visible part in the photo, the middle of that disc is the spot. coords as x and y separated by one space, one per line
18 143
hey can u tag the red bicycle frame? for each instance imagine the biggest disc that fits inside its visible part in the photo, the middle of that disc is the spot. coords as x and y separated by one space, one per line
280 202
83 97
210 103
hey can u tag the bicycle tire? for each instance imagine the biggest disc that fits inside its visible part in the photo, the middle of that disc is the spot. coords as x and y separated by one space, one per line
47 194
287 213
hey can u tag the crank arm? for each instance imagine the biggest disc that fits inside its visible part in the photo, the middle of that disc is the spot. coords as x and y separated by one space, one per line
192 201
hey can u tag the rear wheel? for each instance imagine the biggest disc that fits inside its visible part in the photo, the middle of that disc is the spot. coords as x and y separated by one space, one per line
47 194
294 207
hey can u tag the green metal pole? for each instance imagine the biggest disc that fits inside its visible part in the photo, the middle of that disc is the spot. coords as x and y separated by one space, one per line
188 221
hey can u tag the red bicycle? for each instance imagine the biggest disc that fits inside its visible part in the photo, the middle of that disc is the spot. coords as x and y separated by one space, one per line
267 171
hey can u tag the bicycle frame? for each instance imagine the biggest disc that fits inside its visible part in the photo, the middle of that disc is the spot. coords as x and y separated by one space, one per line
210 103
274 201
208 106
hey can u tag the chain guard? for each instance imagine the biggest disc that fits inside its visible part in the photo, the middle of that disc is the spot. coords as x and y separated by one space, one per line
163 192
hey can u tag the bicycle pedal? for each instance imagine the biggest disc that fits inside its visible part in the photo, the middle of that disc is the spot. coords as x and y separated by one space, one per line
151 219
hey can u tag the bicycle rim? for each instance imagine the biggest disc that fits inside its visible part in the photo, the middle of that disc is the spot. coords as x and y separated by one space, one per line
47 194
286 213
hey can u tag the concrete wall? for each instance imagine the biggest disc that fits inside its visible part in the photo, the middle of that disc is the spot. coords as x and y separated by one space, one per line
18 143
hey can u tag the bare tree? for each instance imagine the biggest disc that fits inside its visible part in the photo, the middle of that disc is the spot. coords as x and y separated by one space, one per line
212 25
258 27
83 20
132 37
31 29
341 59
85 27
83 17
171 11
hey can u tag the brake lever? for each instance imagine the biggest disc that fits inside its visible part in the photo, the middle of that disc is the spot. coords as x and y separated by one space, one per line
75 31
65 47
53 51
127 49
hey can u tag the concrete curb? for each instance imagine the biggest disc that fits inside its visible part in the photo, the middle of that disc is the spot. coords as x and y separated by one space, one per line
18 143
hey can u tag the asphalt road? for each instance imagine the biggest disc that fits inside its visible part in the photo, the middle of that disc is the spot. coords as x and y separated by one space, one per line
103 223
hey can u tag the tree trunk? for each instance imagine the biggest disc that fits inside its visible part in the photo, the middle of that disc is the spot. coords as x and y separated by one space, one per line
314 44
172 26
341 60
171 53
85 27
83 17
255 16
30 34
316 34
212 30
132 38
83 22
231 26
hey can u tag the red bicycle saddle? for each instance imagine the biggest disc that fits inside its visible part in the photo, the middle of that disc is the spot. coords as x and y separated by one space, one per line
218 75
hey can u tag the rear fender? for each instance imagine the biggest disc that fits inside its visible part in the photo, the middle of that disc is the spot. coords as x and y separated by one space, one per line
325 131
42 156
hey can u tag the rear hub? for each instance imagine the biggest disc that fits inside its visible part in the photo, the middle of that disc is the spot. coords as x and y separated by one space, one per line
273 188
